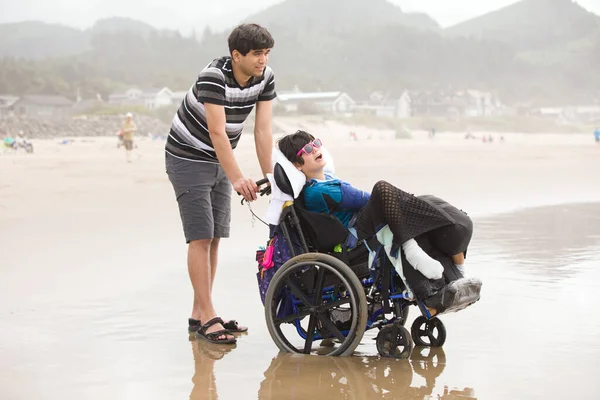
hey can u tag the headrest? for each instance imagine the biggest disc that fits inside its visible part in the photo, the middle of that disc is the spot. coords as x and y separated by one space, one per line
282 181
288 178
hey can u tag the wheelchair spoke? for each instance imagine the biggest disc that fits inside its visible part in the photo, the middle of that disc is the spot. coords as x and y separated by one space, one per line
310 333
333 304
319 286
331 327
297 291
293 317
432 339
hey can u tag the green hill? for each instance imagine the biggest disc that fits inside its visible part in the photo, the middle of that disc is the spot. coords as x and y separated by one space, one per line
359 46
531 24
336 15
33 39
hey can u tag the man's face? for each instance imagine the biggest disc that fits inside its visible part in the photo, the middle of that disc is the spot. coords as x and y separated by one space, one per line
253 63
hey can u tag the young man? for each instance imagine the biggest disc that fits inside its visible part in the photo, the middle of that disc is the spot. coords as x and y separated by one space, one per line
128 130
202 167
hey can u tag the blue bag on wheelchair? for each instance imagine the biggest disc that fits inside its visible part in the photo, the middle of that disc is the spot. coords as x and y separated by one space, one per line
270 259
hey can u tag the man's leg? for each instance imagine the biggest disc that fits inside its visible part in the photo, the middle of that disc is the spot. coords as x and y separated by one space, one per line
128 147
200 271
193 183
200 267
214 259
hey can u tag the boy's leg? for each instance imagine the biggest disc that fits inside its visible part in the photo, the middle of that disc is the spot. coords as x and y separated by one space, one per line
214 259
193 184
220 197
200 271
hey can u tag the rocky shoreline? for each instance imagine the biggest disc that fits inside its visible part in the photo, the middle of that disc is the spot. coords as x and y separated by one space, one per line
83 126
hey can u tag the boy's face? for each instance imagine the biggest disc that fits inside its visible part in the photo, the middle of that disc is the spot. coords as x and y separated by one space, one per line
313 162
253 63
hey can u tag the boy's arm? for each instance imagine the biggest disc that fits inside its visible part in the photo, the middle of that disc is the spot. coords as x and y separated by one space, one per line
263 132
353 198
210 91
263 135
215 118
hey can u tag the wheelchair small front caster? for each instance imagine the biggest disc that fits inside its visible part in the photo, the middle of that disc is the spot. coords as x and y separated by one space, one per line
428 332
394 341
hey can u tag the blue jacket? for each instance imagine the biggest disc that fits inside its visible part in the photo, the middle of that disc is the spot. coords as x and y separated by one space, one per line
334 196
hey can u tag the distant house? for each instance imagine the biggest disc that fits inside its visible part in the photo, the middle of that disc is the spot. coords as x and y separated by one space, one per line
7 105
148 98
447 104
42 106
331 103
82 105
382 105
178 96
570 114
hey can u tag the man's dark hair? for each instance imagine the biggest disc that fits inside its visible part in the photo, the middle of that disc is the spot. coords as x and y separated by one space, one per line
247 37
290 145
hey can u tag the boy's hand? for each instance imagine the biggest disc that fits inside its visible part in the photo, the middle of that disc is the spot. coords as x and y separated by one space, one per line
246 188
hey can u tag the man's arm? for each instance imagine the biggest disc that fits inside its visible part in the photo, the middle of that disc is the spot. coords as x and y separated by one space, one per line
263 135
215 118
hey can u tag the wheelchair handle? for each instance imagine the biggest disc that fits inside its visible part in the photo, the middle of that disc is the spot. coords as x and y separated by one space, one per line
262 181
262 192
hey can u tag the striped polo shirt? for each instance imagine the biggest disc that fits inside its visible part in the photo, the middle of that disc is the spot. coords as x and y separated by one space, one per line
189 138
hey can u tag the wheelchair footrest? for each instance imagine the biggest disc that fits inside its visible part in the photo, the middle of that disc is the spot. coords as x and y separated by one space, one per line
456 295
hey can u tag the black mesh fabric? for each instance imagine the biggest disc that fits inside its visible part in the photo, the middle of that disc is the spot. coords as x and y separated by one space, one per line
406 215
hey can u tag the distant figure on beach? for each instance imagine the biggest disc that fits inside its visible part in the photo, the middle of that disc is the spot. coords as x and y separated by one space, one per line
431 133
128 130
22 142
597 135
353 136
8 142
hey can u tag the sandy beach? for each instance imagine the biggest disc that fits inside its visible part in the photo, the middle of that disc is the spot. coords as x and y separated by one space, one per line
94 291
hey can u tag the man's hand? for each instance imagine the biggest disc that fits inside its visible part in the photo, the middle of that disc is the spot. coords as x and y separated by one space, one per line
246 188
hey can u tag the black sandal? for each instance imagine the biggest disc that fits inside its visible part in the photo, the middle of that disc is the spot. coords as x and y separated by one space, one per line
213 337
234 327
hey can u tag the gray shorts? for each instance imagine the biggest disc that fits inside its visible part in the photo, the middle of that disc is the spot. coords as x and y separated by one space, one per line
203 193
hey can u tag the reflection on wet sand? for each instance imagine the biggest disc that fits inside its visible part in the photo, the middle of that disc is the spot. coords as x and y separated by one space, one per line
292 376
205 356
299 376
551 236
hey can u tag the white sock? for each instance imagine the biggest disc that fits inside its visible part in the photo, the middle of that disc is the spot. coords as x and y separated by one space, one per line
461 269
421 261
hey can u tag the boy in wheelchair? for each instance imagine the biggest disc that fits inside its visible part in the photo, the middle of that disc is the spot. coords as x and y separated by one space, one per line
432 234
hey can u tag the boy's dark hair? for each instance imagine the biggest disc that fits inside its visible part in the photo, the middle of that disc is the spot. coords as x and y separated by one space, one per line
289 145
247 37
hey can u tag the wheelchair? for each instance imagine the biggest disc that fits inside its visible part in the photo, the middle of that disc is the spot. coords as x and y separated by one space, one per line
325 297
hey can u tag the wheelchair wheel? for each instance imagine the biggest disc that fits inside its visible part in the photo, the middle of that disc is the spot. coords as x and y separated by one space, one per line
394 341
315 296
428 332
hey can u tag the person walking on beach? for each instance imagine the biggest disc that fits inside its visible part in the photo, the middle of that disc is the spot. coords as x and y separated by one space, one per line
128 130
202 167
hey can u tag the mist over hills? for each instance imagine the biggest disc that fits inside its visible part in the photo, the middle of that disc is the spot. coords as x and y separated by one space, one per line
540 51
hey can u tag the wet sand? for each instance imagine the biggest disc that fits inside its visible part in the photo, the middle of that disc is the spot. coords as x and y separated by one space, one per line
94 292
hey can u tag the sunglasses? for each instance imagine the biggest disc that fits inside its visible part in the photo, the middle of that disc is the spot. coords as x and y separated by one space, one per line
309 147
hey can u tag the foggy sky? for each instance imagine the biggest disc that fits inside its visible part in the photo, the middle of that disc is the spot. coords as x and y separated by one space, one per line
187 14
